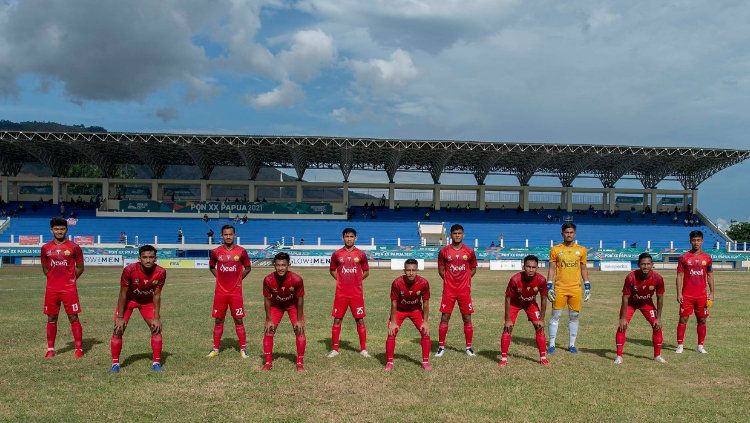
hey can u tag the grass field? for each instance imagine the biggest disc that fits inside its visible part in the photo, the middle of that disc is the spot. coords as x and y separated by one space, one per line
582 387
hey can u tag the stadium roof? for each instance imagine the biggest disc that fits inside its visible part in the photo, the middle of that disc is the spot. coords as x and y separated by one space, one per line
609 163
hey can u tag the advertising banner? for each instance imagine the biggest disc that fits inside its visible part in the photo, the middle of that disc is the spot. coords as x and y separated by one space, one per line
102 260
310 261
615 266
506 264
209 207
83 240
29 239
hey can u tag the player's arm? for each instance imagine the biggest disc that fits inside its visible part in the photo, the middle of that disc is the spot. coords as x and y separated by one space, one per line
212 263
156 323
623 324
659 308
543 307
392 326
506 316
586 283
45 264
269 323
710 282
365 274
473 272
246 271
441 266
425 329
678 284
79 262
299 327
122 300
551 273
245 260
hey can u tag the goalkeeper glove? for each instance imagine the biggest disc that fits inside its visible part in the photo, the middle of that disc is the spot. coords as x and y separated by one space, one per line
586 291
551 291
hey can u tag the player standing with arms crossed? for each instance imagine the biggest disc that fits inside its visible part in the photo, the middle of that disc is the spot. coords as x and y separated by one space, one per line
567 264
140 288
694 272
230 264
410 299
62 264
521 295
457 264
283 292
349 268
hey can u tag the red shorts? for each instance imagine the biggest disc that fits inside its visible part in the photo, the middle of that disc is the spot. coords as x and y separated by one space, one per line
233 300
464 302
415 316
147 310
648 310
355 304
69 299
532 312
694 305
277 313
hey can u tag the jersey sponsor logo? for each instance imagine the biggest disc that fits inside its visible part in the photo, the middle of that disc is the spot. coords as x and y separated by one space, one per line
527 299
58 262
454 268
348 270
641 297
564 263
143 291
698 272
284 299
409 302
232 268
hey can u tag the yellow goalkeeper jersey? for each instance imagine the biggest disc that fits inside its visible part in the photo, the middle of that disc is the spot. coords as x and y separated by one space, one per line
568 261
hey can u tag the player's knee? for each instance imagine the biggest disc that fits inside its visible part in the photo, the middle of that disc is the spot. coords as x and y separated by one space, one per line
238 321
445 317
556 314
52 319
360 322
538 327
683 320
573 315
72 317
466 318
219 321
702 321
508 329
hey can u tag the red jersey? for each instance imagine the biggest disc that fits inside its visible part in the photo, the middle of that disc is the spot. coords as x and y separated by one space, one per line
285 293
641 289
350 267
61 260
141 285
695 268
458 264
409 297
522 293
229 265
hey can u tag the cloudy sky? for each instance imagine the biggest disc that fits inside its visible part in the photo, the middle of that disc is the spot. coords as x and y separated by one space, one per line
609 72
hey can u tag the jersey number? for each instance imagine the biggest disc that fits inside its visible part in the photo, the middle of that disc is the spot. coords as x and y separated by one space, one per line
74 307
651 313
238 311
536 313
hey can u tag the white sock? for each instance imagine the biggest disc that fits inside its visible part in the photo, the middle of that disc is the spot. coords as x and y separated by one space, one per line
554 322
573 326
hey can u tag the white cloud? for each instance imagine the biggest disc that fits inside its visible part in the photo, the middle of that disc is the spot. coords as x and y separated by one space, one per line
311 50
201 88
285 95
385 76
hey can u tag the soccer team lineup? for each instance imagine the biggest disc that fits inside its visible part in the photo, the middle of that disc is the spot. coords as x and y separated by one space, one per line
566 288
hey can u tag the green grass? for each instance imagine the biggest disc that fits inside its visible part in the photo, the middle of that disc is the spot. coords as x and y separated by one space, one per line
582 387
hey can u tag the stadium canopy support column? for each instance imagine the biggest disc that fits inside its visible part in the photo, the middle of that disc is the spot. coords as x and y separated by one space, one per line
155 189
612 199
480 194
251 191
684 202
391 195
299 191
645 200
345 194
436 196
524 194
694 202
204 190
569 199
654 206
605 200
55 190
4 188
105 189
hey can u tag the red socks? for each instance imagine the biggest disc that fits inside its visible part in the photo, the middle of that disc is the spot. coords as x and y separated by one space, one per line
156 342
541 343
504 344
426 347
620 342
218 331
468 334
390 348
77 330
241 337
681 327
115 345
301 342
335 335
362 332
268 348
51 334
442 333
701 333
657 338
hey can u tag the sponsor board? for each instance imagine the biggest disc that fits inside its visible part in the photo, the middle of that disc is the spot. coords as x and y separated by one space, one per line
201 264
506 264
615 266
29 239
310 261
102 260
83 240
177 263
398 264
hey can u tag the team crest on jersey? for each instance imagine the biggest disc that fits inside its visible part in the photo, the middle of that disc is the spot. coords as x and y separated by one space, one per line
136 281
578 253
690 262
465 257
356 259
449 257
291 288
236 258
153 282
419 292
402 292
341 259
703 262
650 287
536 289
67 253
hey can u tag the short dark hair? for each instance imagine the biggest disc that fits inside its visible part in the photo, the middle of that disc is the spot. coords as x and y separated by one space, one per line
644 256
456 227
58 221
567 225
146 248
349 231
281 256
411 261
531 257
696 234
223 228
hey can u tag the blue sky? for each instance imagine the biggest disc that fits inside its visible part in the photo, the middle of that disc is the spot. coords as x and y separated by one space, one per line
610 72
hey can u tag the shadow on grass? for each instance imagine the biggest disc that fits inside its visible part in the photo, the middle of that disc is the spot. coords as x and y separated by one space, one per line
400 357
343 345
494 355
88 343
292 358
144 356
434 346
229 344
